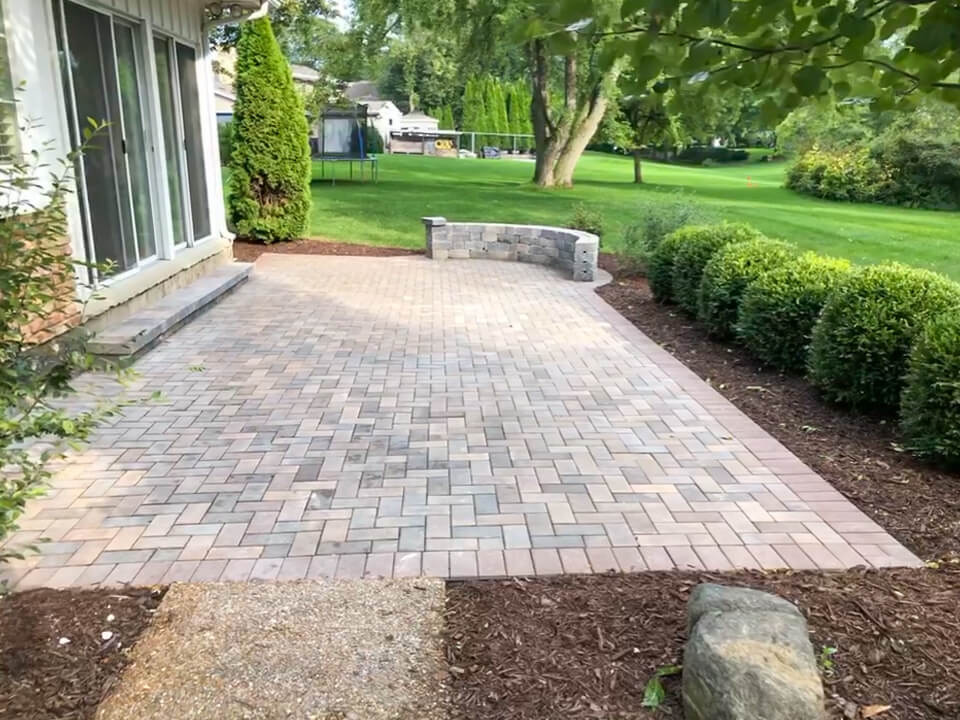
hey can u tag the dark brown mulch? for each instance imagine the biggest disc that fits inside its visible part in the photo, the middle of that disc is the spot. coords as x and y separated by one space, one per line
585 647
247 251
42 678
860 456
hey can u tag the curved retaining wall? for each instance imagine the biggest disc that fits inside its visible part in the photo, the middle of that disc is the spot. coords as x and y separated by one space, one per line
572 250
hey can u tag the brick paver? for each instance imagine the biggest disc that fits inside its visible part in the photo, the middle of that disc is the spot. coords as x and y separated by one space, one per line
351 417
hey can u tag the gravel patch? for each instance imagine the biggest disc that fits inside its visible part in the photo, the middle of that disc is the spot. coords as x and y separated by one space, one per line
364 650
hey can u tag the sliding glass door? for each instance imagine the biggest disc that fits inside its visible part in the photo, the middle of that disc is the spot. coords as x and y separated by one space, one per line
193 140
138 167
100 61
183 139
172 132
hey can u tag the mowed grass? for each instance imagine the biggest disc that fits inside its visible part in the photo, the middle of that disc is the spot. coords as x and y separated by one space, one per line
388 213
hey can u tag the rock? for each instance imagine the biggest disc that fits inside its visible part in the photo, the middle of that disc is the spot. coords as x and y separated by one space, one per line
709 597
748 657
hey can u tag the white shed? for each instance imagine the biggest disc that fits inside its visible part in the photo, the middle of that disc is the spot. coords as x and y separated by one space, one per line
384 116
417 121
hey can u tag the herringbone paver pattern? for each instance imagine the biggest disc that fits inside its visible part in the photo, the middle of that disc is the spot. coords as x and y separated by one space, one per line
355 417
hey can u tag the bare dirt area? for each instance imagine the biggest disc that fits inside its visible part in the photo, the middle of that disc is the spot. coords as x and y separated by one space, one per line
585 646
61 651
247 251
860 456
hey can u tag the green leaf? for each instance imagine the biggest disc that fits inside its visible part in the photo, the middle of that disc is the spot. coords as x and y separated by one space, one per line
827 17
857 28
646 68
809 80
653 693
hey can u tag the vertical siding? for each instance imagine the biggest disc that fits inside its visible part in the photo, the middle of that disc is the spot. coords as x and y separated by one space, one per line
183 18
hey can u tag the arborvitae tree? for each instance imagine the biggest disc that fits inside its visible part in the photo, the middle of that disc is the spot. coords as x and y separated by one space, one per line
474 112
500 114
446 118
269 187
491 115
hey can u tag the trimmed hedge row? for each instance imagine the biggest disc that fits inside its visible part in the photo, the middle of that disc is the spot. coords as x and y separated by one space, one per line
930 407
780 308
727 275
859 349
879 338
698 245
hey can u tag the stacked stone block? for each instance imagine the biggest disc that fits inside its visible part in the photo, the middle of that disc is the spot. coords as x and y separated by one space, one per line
571 250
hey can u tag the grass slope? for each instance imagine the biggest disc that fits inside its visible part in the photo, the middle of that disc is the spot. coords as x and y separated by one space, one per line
499 191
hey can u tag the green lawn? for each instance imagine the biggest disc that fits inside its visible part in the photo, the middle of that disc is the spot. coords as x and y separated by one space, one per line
388 213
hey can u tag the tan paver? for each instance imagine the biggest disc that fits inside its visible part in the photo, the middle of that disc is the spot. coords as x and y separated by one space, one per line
444 418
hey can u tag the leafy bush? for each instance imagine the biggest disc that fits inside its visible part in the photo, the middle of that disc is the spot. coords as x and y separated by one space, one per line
727 275
859 347
660 267
587 220
225 135
662 215
269 189
923 172
930 407
37 280
895 170
698 245
779 309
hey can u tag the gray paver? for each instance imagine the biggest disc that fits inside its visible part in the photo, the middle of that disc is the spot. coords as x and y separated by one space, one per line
457 418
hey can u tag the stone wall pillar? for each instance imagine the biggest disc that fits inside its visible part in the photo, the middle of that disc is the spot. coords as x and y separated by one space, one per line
438 237
586 254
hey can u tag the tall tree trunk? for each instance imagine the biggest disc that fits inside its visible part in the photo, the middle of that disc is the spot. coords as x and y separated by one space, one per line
580 136
637 167
560 145
540 112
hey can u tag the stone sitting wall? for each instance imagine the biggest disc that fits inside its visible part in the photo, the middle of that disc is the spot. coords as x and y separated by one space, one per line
571 250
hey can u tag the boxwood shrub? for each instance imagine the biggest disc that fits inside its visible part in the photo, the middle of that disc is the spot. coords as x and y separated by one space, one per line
859 346
727 275
698 244
779 309
930 408
660 267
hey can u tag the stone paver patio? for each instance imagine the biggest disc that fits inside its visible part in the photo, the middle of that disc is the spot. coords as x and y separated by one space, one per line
349 417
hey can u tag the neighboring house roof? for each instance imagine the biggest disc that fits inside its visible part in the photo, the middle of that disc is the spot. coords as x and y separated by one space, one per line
417 115
305 74
362 90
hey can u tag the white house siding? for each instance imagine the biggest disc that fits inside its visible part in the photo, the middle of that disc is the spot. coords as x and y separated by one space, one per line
182 18
33 59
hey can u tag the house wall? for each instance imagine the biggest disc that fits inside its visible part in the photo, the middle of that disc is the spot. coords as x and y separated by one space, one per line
34 62
387 121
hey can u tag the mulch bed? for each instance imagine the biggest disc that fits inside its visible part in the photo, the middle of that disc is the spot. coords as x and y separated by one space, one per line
43 677
860 456
585 647
247 251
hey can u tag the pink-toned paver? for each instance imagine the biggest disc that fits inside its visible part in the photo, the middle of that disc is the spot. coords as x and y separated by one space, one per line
362 417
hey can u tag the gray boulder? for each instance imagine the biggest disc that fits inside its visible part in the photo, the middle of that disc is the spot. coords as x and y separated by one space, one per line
710 597
749 658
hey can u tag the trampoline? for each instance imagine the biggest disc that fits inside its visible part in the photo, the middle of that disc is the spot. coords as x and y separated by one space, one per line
342 140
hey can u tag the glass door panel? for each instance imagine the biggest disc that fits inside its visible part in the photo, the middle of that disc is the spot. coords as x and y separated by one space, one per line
169 112
89 53
135 136
193 140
